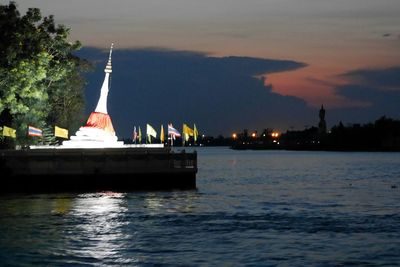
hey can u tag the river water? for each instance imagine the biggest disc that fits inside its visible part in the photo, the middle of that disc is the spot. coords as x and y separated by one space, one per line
252 208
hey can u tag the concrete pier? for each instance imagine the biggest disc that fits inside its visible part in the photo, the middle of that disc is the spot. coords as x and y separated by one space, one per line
109 169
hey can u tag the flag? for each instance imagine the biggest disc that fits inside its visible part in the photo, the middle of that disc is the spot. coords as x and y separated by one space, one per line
135 135
10 132
32 131
150 132
172 131
162 134
140 135
187 131
60 132
195 132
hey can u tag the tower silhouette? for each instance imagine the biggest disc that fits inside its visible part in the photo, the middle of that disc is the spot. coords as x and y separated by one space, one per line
322 122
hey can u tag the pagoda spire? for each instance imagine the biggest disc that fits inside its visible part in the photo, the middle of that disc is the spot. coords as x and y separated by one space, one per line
108 66
102 104
98 131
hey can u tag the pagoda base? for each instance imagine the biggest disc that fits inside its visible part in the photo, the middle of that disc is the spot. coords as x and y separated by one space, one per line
88 137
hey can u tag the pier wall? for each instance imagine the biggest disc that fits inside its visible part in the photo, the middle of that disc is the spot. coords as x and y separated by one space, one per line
115 169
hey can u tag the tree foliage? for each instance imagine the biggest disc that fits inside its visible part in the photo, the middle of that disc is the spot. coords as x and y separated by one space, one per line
40 78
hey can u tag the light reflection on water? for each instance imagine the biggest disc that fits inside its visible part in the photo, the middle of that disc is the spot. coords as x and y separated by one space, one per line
251 208
101 228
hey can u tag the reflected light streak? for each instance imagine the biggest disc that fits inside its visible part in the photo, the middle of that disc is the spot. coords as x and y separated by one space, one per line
101 227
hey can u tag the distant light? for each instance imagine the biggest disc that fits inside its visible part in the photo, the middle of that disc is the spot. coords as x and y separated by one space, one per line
234 135
253 135
275 134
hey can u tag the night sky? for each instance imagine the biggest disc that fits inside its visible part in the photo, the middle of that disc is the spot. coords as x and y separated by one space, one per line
231 64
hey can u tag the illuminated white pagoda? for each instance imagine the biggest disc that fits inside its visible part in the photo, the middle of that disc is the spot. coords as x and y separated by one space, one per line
98 131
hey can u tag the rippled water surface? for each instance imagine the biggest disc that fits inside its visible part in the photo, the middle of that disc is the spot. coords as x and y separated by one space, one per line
252 208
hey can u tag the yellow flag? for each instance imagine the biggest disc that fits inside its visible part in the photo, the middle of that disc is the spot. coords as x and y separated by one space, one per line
10 132
162 134
195 132
187 131
60 132
140 135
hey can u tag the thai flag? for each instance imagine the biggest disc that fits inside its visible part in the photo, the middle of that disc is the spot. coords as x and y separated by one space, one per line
32 131
172 131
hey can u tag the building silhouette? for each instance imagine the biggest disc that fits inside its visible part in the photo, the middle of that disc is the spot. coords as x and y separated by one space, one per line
322 122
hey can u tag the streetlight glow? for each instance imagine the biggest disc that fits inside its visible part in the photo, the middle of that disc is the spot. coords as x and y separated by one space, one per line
275 134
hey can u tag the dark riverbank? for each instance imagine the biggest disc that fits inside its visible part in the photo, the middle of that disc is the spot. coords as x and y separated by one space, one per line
382 135
313 147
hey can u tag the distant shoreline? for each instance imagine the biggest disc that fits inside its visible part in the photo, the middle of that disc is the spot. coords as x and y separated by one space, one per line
312 148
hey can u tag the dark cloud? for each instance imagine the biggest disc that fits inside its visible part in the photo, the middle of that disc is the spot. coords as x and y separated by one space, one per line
384 101
382 79
391 36
379 89
220 95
